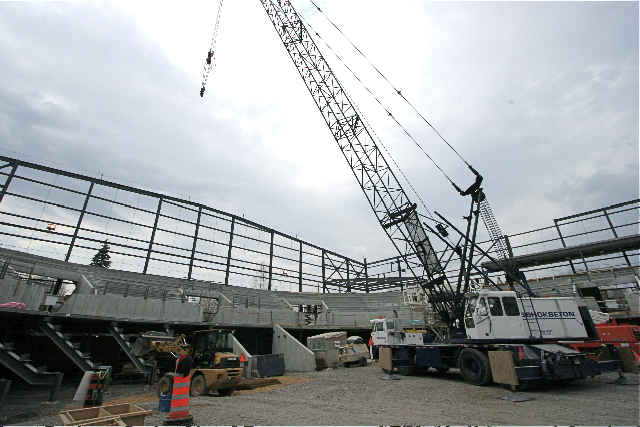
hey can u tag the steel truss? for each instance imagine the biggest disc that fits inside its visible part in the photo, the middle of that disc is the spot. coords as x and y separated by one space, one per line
67 216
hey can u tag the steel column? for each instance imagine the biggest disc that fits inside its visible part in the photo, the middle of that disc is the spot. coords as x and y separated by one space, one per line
300 270
153 235
226 276
324 284
75 233
270 261
366 276
8 181
564 245
195 241
615 235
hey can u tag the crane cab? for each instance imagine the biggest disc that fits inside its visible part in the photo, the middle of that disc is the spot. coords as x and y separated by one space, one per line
503 315
494 315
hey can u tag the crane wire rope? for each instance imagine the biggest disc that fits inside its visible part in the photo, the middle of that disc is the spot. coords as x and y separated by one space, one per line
394 88
369 126
377 100
210 62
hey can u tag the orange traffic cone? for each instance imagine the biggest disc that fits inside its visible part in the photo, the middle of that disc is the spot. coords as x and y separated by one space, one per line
179 413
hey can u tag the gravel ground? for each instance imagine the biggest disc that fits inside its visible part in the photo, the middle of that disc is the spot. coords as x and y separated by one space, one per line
359 396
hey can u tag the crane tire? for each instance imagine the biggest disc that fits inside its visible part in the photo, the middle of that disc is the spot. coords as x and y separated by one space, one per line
198 386
165 386
474 366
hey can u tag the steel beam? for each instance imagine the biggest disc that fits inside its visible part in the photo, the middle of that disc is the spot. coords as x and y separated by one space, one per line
124 345
66 346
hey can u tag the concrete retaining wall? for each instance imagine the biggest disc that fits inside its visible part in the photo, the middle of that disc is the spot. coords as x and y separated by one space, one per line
297 357
132 308
239 349
12 290
291 319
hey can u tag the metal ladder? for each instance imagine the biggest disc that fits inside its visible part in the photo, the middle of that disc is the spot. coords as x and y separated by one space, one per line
532 321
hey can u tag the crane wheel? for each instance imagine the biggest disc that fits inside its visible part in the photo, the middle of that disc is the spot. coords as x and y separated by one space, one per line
198 386
165 386
474 366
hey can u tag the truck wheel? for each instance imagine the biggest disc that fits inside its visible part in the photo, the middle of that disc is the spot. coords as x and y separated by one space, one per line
198 386
226 392
165 386
363 361
474 366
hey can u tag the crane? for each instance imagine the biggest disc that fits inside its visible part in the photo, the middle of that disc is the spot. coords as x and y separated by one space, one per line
478 321
396 213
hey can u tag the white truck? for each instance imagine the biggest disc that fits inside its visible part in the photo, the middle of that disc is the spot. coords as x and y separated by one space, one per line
529 328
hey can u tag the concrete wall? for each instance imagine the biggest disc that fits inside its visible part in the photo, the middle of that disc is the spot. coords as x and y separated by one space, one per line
297 357
83 286
132 308
253 316
12 290
248 365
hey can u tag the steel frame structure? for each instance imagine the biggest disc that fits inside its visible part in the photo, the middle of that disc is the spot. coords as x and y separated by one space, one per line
67 216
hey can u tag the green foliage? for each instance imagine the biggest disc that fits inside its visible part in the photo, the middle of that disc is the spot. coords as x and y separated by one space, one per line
102 257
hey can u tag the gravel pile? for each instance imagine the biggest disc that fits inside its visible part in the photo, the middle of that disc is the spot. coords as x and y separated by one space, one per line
359 396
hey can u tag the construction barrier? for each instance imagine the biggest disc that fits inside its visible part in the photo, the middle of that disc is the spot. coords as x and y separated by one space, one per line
97 386
179 413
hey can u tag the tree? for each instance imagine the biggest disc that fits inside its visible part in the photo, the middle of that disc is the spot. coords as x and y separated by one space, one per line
102 257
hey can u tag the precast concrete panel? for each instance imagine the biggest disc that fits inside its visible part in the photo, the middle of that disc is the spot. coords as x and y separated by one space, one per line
297 357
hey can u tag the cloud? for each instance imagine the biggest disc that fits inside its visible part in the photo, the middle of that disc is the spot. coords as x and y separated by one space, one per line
541 98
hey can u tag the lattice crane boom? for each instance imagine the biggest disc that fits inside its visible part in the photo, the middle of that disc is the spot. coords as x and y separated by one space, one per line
396 213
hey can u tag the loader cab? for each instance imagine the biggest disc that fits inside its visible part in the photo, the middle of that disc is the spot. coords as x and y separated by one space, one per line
494 315
212 348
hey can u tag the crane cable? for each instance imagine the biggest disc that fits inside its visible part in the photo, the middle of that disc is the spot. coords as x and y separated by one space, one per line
390 115
399 93
210 61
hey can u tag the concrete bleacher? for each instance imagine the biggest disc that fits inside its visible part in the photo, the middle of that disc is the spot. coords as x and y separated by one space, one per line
113 290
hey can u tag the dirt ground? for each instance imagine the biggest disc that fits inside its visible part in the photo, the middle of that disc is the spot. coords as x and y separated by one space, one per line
360 396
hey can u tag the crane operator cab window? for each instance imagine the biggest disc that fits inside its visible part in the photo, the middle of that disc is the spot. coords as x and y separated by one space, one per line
482 307
495 307
510 306
468 315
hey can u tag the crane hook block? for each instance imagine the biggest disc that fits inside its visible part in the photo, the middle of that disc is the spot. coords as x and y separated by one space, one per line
202 92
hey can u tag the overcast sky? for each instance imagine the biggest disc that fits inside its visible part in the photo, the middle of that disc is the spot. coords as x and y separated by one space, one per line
540 97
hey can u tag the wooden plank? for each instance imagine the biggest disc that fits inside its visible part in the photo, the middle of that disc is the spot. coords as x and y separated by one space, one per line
385 359
502 367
